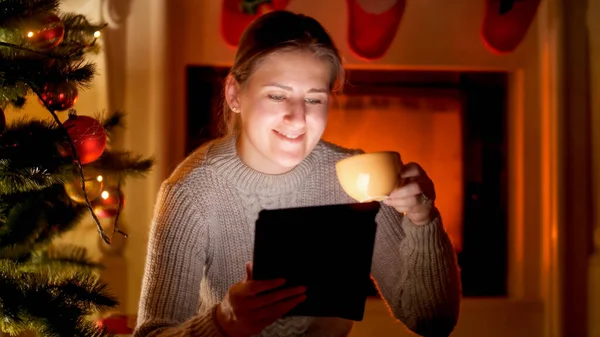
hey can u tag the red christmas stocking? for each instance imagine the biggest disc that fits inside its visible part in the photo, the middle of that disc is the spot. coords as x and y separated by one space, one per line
506 23
372 26
236 15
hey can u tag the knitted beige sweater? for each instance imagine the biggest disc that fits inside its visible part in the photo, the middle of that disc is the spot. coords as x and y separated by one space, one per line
202 237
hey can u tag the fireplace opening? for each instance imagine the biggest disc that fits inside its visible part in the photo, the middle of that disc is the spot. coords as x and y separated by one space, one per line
452 123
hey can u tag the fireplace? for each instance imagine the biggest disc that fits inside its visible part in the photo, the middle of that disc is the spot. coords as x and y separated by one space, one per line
452 123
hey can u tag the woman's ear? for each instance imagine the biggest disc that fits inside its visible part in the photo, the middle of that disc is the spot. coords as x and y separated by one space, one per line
232 93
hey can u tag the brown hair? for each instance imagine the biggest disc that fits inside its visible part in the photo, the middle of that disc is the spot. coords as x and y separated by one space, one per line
279 31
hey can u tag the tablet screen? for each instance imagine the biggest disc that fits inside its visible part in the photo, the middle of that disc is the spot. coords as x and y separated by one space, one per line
328 249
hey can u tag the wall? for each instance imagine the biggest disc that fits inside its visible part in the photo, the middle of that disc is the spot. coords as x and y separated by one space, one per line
137 79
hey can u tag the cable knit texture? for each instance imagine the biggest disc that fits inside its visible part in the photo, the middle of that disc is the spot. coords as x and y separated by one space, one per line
203 231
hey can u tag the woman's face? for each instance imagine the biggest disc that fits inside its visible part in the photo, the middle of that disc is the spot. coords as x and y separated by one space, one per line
283 110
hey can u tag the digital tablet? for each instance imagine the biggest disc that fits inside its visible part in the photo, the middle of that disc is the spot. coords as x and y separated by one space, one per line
328 249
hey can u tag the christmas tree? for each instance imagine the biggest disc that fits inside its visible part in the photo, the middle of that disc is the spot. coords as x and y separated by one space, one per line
54 172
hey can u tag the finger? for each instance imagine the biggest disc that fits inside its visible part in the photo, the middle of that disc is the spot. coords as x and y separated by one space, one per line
404 203
408 190
411 170
248 271
276 310
401 209
255 287
276 296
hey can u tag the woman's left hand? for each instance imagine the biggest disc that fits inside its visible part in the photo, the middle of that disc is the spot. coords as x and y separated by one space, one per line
414 196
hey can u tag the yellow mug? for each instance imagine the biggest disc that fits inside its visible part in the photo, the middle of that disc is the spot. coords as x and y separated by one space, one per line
369 176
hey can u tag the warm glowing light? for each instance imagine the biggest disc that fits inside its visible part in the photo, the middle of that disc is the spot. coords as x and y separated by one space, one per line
99 178
104 195
97 34
30 34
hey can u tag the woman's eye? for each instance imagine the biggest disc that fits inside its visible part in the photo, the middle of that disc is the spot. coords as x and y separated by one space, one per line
313 101
276 97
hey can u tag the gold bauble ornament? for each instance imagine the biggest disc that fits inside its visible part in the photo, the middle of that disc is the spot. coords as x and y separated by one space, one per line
93 186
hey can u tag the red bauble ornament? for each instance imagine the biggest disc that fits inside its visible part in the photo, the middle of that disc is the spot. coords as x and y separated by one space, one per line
117 324
88 136
59 96
107 204
45 31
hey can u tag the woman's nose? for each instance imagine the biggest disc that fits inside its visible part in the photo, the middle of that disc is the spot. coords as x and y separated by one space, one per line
296 115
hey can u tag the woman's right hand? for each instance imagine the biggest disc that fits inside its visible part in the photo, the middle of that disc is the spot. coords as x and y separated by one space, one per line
251 305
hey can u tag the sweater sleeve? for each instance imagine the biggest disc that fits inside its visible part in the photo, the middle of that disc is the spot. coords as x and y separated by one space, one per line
416 272
174 266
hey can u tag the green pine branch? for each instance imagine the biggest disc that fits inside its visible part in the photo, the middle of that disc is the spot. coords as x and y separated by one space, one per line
12 9
31 220
17 180
113 121
120 164
79 34
64 257
29 157
51 304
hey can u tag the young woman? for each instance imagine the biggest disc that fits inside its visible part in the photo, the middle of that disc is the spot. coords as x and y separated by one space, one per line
197 280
